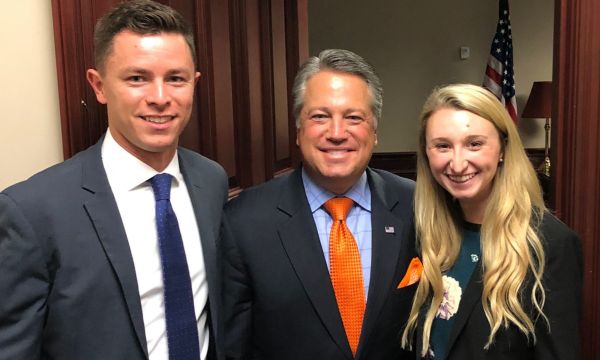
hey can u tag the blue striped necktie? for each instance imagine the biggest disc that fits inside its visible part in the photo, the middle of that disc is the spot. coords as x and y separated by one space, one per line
182 328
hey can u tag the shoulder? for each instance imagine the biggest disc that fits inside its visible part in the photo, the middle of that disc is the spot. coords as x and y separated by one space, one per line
264 195
391 188
269 202
49 194
560 242
52 181
197 167
392 180
555 233
207 165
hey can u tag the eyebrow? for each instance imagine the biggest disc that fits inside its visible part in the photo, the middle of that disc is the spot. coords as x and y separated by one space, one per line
470 137
319 108
180 71
477 136
133 69
140 70
347 111
364 112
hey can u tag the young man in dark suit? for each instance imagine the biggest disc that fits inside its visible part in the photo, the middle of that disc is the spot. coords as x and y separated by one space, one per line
293 287
88 269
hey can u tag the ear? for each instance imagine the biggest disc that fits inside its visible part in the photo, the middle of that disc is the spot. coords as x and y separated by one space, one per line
298 130
97 84
197 76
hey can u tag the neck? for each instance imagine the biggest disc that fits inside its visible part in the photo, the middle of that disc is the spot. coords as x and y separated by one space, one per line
157 161
473 213
336 185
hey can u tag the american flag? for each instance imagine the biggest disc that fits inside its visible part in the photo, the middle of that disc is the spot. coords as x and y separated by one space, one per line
499 73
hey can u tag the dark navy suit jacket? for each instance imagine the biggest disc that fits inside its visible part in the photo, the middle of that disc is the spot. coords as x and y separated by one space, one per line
279 299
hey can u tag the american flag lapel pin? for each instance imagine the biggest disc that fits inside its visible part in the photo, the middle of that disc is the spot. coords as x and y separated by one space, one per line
389 230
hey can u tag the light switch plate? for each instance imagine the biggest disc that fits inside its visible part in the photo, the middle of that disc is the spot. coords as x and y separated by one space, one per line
465 52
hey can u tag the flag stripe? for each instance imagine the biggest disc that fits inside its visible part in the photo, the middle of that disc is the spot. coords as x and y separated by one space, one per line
493 76
499 72
493 87
511 107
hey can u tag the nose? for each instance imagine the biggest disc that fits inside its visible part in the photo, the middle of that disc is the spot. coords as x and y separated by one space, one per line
458 162
337 129
158 94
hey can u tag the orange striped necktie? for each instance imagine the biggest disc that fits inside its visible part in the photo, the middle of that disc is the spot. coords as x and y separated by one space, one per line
345 270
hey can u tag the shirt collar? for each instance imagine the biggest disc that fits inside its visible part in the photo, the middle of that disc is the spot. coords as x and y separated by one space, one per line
126 172
317 196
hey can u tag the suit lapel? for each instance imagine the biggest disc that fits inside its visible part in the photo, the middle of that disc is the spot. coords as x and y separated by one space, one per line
208 209
389 233
300 239
471 297
104 214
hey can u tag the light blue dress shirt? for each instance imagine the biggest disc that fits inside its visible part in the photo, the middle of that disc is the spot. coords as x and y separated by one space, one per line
358 220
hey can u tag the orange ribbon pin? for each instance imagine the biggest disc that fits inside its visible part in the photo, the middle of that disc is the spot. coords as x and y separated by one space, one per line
413 274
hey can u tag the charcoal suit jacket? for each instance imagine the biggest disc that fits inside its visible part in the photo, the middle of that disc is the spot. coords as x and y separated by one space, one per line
562 281
67 278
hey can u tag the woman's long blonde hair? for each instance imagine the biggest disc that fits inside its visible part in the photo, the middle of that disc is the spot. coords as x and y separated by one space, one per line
510 246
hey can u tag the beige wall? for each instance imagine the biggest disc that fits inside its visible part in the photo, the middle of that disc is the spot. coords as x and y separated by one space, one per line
533 36
30 138
414 46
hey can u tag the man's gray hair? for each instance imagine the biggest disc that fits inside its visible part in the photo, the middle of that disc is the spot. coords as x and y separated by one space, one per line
343 61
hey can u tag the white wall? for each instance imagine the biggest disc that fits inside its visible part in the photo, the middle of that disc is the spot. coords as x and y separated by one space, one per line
30 138
414 46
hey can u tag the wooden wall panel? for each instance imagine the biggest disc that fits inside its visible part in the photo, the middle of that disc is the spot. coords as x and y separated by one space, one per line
244 94
296 32
400 163
215 89
197 131
281 151
255 62
83 119
266 35
575 144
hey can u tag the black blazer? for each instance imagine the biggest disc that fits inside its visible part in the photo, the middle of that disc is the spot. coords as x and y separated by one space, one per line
67 279
279 301
562 282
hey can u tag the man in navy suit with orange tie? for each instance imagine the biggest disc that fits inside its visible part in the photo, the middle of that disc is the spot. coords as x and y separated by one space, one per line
314 259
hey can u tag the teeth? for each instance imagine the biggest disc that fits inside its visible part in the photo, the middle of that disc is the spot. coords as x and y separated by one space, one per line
157 119
461 178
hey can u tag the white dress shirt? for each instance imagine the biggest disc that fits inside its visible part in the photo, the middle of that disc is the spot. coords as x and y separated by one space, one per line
129 180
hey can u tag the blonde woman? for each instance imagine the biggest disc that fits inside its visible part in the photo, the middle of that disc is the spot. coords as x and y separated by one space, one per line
501 275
